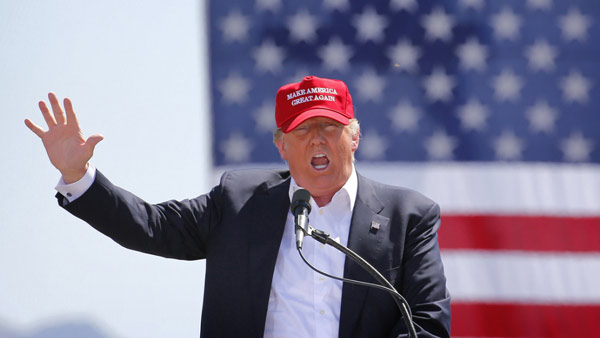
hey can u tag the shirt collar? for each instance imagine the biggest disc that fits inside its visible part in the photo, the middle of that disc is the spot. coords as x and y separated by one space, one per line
351 188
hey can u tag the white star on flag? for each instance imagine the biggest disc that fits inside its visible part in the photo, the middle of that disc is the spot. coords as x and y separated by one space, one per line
369 25
336 55
235 26
472 55
264 116
541 117
234 88
507 86
236 148
405 116
540 4
473 115
473 4
268 5
576 148
574 25
268 57
506 24
440 146
404 5
438 86
575 87
298 76
303 26
508 146
340 5
541 55
372 146
404 56
369 85
438 25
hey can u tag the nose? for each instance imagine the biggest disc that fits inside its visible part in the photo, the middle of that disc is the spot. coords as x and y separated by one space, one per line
316 135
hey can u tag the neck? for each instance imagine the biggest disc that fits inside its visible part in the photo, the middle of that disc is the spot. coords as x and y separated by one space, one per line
324 197
323 200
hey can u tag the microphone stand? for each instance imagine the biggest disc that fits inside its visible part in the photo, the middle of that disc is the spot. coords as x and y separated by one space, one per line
324 238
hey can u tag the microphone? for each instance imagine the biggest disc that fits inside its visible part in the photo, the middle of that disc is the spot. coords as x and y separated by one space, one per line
300 209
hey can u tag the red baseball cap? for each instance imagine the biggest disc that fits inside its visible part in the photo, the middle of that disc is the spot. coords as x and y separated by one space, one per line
312 97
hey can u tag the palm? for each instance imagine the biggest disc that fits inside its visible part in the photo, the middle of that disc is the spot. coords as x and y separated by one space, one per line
66 147
68 151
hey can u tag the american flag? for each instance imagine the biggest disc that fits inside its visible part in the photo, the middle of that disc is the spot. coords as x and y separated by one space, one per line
489 107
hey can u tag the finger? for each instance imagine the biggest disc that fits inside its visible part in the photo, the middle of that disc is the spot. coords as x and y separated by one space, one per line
46 114
71 116
59 114
34 128
92 141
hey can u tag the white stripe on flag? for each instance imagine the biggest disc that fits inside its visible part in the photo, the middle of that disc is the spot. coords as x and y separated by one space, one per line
522 277
498 188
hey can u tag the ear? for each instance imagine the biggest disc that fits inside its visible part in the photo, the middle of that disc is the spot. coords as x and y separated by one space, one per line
281 147
355 141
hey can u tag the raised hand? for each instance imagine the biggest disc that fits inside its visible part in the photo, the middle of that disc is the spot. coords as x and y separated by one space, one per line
68 151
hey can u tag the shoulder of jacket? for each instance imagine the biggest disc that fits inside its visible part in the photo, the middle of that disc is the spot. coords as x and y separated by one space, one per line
252 178
397 194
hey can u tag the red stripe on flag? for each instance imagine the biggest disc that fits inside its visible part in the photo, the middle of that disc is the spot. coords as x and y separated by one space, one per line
527 233
524 320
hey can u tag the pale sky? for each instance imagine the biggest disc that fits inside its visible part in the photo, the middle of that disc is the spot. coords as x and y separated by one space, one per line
136 72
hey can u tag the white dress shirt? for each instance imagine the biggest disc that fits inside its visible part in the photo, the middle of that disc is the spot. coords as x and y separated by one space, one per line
302 302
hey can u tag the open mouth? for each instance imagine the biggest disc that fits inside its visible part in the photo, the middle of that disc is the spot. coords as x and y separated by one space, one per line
319 162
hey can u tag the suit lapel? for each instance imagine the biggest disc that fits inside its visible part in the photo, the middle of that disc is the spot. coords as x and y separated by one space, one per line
367 230
270 207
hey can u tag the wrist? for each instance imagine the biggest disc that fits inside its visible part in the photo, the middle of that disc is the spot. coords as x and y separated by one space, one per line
73 176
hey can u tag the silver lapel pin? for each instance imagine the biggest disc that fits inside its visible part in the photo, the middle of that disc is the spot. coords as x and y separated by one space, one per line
375 226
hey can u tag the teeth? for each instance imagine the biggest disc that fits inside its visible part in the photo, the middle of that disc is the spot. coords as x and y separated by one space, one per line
316 159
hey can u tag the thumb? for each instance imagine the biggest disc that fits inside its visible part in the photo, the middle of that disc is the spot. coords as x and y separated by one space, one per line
93 140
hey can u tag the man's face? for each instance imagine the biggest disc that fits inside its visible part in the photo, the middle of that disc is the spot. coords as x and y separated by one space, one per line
319 155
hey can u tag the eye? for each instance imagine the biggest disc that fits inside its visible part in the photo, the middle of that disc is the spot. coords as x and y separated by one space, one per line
330 126
300 130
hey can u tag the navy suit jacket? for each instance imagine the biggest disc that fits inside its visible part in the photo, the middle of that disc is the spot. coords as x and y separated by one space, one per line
237 227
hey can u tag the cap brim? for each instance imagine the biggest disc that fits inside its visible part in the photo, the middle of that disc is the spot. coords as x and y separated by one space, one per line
295 121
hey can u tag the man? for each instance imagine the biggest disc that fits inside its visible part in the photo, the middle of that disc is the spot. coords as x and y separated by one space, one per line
256 284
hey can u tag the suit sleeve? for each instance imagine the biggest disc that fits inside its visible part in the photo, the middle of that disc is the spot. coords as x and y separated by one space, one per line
423 281
173 229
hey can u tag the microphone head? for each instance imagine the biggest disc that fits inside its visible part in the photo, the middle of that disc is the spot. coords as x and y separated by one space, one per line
301 198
